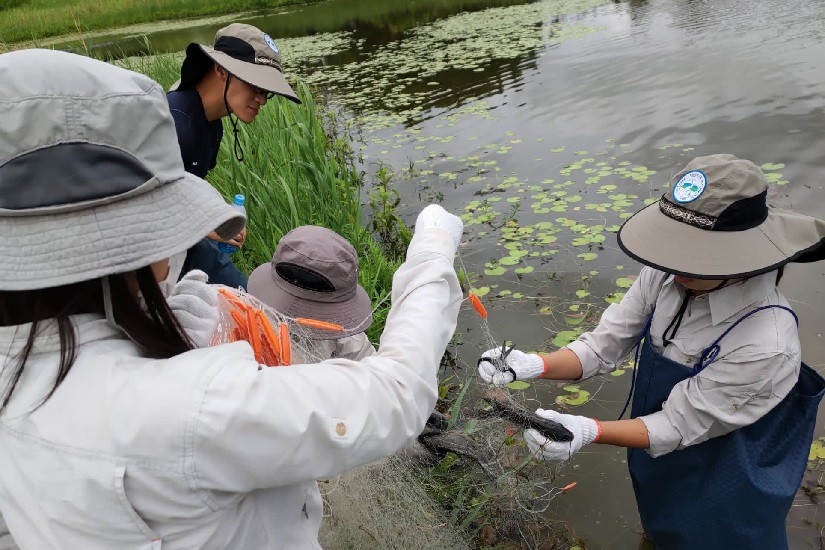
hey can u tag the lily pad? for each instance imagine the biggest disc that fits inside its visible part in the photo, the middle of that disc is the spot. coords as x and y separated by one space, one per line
625 282
509 260
587 256
494 271
577 396
769 166
481 291
518 385
524 270
614 298
564 337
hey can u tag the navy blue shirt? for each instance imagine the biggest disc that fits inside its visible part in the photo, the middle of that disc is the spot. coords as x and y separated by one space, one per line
199 142
198 138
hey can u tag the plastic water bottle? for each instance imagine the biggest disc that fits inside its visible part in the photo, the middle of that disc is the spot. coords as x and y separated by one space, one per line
227 248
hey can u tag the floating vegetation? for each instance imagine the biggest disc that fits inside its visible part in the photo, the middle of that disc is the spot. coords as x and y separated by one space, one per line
397 80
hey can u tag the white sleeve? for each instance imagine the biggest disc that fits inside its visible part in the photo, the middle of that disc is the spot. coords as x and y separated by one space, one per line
620 326
733 392
6 541
277 426
355 347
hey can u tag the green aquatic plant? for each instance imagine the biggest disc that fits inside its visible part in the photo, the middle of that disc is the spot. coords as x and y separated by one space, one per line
299 170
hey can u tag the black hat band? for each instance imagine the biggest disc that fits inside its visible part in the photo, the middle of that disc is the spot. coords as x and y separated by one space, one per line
303 277
738 216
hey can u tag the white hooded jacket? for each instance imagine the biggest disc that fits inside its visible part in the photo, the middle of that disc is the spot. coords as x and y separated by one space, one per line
206 450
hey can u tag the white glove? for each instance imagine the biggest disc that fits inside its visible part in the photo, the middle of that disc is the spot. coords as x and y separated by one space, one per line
195 305
517 366
434 216
585 431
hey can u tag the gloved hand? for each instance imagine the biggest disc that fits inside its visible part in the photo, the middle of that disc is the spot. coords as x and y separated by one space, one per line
434 216
585 431
517 366
195 305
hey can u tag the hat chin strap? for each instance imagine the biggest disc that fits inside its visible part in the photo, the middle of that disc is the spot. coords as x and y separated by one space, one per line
238 150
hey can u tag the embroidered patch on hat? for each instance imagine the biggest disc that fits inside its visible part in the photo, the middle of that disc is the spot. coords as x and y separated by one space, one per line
690 186
271 43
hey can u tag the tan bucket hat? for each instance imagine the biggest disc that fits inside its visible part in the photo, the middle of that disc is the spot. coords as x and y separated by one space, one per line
314 274
91 177
714 223
246 52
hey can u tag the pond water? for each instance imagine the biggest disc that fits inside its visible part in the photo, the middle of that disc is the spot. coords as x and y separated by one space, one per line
545 124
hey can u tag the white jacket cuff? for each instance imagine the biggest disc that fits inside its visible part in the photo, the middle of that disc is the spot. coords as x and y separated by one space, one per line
588 358
663 436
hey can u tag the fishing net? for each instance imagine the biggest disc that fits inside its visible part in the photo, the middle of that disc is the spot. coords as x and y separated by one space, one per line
276 339
380 505
469 480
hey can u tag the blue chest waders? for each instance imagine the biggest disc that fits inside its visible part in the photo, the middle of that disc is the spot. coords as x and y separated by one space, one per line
729 492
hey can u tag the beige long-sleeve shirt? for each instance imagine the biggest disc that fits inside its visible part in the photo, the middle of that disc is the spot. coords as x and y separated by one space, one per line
757 366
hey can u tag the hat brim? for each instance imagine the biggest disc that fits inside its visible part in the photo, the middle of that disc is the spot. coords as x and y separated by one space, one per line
56 249
354 314
262 76
663 243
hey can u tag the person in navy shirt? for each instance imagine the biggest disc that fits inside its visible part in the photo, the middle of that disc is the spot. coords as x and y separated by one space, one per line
234 78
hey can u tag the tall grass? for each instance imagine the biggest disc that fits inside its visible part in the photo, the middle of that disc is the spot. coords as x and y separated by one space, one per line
22 20
296 171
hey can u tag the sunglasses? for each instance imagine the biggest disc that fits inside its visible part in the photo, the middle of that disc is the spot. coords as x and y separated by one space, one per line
263 93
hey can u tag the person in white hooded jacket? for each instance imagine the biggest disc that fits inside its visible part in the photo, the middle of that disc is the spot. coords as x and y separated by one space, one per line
115 430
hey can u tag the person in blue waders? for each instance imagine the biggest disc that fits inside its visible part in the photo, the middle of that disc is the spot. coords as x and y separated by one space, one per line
234 78
723 410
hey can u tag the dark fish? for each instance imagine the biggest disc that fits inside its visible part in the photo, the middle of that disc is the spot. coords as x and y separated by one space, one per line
437 422
508 411
441 443
436 440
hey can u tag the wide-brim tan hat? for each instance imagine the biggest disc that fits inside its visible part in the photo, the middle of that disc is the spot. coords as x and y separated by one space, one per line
714 223
314 274
244 51
91 177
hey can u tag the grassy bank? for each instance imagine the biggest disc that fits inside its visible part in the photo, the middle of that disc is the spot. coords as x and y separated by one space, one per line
297 171
23 20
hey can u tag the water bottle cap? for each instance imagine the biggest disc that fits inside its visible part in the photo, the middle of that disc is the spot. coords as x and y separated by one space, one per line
239 200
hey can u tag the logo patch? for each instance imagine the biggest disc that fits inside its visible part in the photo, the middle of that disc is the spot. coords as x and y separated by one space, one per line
271 43
690 186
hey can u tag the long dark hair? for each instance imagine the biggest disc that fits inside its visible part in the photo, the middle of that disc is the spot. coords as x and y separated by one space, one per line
153 327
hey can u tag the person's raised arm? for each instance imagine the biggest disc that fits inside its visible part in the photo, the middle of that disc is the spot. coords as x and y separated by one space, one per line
277 426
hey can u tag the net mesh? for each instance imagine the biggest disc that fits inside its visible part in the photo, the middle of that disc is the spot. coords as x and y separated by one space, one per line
469 480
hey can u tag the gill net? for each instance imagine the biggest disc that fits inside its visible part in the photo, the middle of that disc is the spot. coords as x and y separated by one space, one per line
468 481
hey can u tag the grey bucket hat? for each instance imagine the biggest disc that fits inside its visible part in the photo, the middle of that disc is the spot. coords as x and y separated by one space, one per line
91 177
244 51
314 274
714 223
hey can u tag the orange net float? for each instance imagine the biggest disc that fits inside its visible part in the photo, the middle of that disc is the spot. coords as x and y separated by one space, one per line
254 334
233 300
478 306
241 330
270 341
568 487
286 348
322 325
